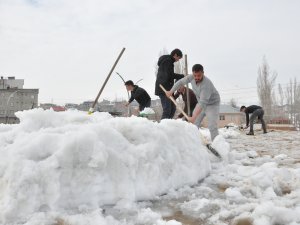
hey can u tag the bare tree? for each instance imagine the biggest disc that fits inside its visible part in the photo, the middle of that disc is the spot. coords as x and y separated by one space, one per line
179 67
233 103
293 102
265 88
281 95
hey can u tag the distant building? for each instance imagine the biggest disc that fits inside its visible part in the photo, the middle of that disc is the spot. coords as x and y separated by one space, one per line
85 106
47 105
54 107
71 106
58 108
228 114
11 82
14 98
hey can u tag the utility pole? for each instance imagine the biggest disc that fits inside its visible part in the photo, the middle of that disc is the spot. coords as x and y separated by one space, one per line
187 86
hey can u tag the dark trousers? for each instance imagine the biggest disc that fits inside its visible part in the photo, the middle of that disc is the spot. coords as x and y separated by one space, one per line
147 105
259 113
168 107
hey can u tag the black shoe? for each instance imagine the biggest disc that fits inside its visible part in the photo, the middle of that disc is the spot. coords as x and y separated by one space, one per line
250 133
265 132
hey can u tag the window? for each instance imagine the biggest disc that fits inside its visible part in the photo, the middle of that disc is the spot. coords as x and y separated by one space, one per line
222 117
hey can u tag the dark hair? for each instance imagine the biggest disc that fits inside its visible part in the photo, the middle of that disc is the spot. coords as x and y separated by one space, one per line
242 107
197 68
177 51
129 82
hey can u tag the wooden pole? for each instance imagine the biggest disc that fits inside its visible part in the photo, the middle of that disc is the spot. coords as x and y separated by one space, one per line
187 87
107 78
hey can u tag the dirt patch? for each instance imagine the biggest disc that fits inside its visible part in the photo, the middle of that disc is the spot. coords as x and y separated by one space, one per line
243 221
223 186
185 220
60 221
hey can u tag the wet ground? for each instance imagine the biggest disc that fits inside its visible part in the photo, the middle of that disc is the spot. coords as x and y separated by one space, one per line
282 147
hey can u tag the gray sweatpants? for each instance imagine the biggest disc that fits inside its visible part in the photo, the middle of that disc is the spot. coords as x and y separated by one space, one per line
212 113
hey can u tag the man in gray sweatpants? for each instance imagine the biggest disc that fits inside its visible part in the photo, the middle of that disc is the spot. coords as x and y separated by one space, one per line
207 96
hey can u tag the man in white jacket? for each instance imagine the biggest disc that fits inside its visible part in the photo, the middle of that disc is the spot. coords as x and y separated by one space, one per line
207 96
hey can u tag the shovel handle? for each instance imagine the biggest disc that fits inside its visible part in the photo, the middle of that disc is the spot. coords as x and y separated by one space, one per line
175 103
186 116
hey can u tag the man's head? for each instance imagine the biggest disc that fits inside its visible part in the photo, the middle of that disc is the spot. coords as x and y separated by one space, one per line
129 85
176 54
198 72
243 108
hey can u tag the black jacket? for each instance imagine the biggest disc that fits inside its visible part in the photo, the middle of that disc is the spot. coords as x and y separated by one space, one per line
165 74
140 95
250 109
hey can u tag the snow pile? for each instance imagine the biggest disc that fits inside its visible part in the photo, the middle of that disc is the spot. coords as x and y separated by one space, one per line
73 162
230 132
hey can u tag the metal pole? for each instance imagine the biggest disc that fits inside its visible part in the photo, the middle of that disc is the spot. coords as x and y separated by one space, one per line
139 81
107 78
187 87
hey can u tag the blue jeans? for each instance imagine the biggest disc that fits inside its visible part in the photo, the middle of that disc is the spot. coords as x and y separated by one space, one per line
168 107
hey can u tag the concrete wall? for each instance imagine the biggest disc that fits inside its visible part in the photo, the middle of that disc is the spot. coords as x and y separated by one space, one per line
14 100
11 83
226 118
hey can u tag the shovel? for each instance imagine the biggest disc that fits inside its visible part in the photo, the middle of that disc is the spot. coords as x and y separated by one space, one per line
208 145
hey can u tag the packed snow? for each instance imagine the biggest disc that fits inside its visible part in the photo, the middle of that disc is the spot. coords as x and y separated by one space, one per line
78 169
70 161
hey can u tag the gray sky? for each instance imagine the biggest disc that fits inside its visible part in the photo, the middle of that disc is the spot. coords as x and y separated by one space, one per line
67 47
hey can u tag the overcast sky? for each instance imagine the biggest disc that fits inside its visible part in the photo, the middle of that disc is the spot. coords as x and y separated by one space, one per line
67 47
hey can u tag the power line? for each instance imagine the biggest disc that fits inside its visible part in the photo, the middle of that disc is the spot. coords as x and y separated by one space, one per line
282 85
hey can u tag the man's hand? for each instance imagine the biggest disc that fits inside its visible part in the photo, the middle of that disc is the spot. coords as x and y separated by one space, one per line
169 93
191 119
127 104
196 113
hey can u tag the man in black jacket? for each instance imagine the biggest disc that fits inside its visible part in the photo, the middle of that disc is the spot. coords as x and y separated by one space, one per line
139 94
165 77
256 111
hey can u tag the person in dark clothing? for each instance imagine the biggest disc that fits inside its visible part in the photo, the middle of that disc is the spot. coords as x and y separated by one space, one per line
165 77
193 100
256 111
139 94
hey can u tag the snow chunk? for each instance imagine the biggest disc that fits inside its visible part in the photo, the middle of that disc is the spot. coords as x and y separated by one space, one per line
147 111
